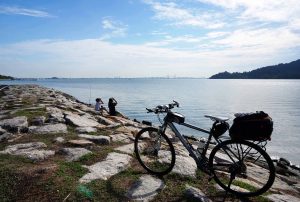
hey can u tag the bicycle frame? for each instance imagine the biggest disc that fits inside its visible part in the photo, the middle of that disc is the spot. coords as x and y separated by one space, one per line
234 163
197 157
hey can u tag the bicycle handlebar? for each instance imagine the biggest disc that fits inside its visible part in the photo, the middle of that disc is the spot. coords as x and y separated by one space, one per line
163 108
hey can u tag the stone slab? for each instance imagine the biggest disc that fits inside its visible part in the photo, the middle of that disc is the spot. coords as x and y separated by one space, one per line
113 164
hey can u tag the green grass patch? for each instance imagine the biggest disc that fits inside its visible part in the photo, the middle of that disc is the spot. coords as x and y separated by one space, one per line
8 184
31 113
29 100
99 154
114 189
13 162
65 180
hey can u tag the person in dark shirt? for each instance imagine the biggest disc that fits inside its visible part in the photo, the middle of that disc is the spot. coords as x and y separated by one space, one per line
112 106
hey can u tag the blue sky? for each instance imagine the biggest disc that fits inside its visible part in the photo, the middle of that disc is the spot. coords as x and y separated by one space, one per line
138 38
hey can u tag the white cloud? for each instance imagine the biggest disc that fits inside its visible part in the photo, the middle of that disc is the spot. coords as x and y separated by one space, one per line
97 58
267 39
11 10
178 16
171 40
263 10
113 28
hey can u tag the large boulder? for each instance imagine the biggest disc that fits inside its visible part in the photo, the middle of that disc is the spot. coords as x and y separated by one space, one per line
15 125
145 189
105 121
73 154
194 194
98 139
80 121
129 148
113 164
38 121
86 129
128 129
185 166
49 129
58 140
4 135
282 198
121 137
33 150
55 115
80 143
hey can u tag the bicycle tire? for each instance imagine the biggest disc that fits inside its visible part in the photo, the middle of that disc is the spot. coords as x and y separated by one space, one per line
245 175
146 149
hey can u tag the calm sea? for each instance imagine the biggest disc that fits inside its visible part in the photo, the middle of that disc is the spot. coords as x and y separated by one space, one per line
198 97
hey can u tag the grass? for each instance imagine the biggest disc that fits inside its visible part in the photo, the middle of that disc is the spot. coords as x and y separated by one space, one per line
99 154
13 162
31 113
65 180
114 189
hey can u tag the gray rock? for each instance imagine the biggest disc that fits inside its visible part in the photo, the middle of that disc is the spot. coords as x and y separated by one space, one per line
34 151
56 115
105 121
59 140
73 154
185 166
195 194
297 186
98 139
126 122
5 136
113 164
85 129
2 131
80 121
14 125
282 198
236 188
80 143
129 148
38 121
128 129
2 116
121 137
46 129
145 189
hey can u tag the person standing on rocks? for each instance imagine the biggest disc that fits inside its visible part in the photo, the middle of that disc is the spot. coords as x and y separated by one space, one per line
112 102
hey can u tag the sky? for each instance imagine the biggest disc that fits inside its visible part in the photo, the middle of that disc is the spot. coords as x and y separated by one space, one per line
145 38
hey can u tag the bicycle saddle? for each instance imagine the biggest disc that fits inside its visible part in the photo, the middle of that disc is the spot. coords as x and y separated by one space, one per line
215 118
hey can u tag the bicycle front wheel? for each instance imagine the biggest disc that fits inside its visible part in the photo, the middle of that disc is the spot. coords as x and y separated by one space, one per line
242 168
154 151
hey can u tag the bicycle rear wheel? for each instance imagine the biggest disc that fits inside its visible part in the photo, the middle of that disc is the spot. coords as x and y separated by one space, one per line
242 168
154 151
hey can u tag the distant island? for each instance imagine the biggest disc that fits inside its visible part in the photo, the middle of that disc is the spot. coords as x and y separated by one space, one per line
2 77
281 71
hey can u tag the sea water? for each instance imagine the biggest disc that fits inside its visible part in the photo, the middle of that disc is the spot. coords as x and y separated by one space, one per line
198 97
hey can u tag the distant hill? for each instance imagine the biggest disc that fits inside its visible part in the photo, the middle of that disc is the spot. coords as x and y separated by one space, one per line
281 71
6 77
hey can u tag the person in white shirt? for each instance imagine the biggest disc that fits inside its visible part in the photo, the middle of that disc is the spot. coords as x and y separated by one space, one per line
99 105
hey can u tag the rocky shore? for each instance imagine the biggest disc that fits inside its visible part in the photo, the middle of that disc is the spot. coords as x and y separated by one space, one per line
56 148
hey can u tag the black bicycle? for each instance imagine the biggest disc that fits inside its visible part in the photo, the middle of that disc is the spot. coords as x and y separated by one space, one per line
232 163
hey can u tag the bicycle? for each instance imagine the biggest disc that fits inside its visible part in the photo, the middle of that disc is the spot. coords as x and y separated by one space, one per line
230 163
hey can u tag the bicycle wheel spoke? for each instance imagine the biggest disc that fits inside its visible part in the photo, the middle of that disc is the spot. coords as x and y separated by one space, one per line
238 173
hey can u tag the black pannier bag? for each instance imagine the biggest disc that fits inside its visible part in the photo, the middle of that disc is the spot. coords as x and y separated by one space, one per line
252 126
